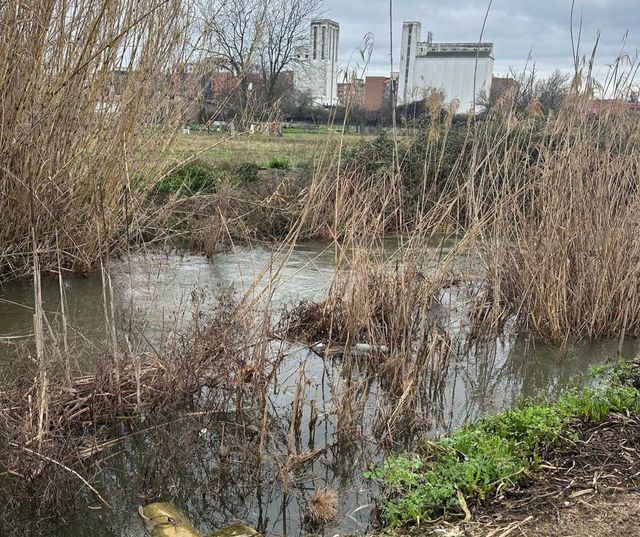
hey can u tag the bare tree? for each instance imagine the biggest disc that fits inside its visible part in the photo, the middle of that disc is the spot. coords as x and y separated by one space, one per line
545 94
232 33
286 29
553 90
255 41
549 93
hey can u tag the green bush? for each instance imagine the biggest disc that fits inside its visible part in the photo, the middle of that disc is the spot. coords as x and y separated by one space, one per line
243 173
439 156
202 177
278 163
190 178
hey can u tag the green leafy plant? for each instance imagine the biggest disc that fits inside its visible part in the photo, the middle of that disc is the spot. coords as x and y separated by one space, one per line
474 461
188 179
598 371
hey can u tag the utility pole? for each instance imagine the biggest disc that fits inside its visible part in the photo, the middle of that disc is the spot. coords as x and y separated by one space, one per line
393 86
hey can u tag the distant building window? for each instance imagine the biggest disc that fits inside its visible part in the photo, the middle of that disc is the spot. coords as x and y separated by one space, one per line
406 72
324 42
315 42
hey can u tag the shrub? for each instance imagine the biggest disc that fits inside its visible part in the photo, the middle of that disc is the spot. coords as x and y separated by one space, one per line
279 163
190 178
243 173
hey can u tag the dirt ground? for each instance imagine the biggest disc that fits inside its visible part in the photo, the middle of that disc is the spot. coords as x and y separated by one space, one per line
602 514
589 486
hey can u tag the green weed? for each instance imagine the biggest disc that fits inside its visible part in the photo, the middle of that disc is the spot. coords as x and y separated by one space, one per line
598 371
279 163
241 173
475 460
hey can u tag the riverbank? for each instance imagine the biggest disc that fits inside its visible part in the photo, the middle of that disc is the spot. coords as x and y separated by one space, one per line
588 487
567 468
604 514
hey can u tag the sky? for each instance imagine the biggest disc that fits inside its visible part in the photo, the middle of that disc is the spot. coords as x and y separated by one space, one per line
520 29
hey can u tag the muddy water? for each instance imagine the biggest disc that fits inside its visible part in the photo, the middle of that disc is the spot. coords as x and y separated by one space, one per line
196 464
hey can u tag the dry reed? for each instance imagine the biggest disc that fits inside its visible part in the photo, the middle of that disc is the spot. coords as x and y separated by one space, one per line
323 507
558 245
85 87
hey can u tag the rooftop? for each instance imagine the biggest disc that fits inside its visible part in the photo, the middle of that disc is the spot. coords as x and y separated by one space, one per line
427 48
325 21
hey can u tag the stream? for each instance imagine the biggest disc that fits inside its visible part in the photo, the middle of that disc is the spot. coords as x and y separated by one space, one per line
205 475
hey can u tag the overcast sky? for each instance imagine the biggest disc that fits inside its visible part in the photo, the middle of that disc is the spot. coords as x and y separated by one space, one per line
517 27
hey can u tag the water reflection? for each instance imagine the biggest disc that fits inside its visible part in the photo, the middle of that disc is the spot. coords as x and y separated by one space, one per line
214 467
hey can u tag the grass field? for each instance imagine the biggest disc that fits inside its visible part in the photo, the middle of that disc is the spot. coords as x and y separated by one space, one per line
297 147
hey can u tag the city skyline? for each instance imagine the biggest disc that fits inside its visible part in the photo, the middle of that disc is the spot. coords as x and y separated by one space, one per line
522 32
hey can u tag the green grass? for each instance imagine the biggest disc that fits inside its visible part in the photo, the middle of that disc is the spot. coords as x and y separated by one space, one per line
202 177
216 157
474 461
298 148
278 163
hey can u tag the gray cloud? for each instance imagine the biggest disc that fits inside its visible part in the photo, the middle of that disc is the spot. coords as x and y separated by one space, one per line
517 27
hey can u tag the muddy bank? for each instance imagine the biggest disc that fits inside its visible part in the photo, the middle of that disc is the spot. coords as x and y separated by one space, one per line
588 485
605 514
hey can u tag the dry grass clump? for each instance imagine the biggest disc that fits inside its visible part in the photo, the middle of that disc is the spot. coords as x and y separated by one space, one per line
84 87
388 303
375 303
382 317
266 210
313 322
323 507
561 253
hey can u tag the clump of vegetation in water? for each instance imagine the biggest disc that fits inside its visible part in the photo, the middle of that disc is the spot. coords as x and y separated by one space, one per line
476 460
323 508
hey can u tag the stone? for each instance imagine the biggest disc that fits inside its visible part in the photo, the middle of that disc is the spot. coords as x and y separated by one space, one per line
238 529
164 520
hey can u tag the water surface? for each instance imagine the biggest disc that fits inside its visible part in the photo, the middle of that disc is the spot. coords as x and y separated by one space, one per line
209 468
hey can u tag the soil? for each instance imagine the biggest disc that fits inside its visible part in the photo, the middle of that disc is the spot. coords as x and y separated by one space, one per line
602 514
588 487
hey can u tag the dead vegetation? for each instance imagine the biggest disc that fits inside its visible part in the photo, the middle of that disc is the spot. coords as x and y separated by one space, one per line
201 371
544 212
559 255
83 90
323 507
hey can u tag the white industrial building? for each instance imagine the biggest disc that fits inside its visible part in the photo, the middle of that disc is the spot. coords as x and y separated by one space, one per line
461 71
316 66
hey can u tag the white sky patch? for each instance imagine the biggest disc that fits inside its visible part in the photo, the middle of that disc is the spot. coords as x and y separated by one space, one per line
517 27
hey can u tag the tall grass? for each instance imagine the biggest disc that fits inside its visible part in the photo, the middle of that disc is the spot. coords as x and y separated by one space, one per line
559 237
543 209
84 85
